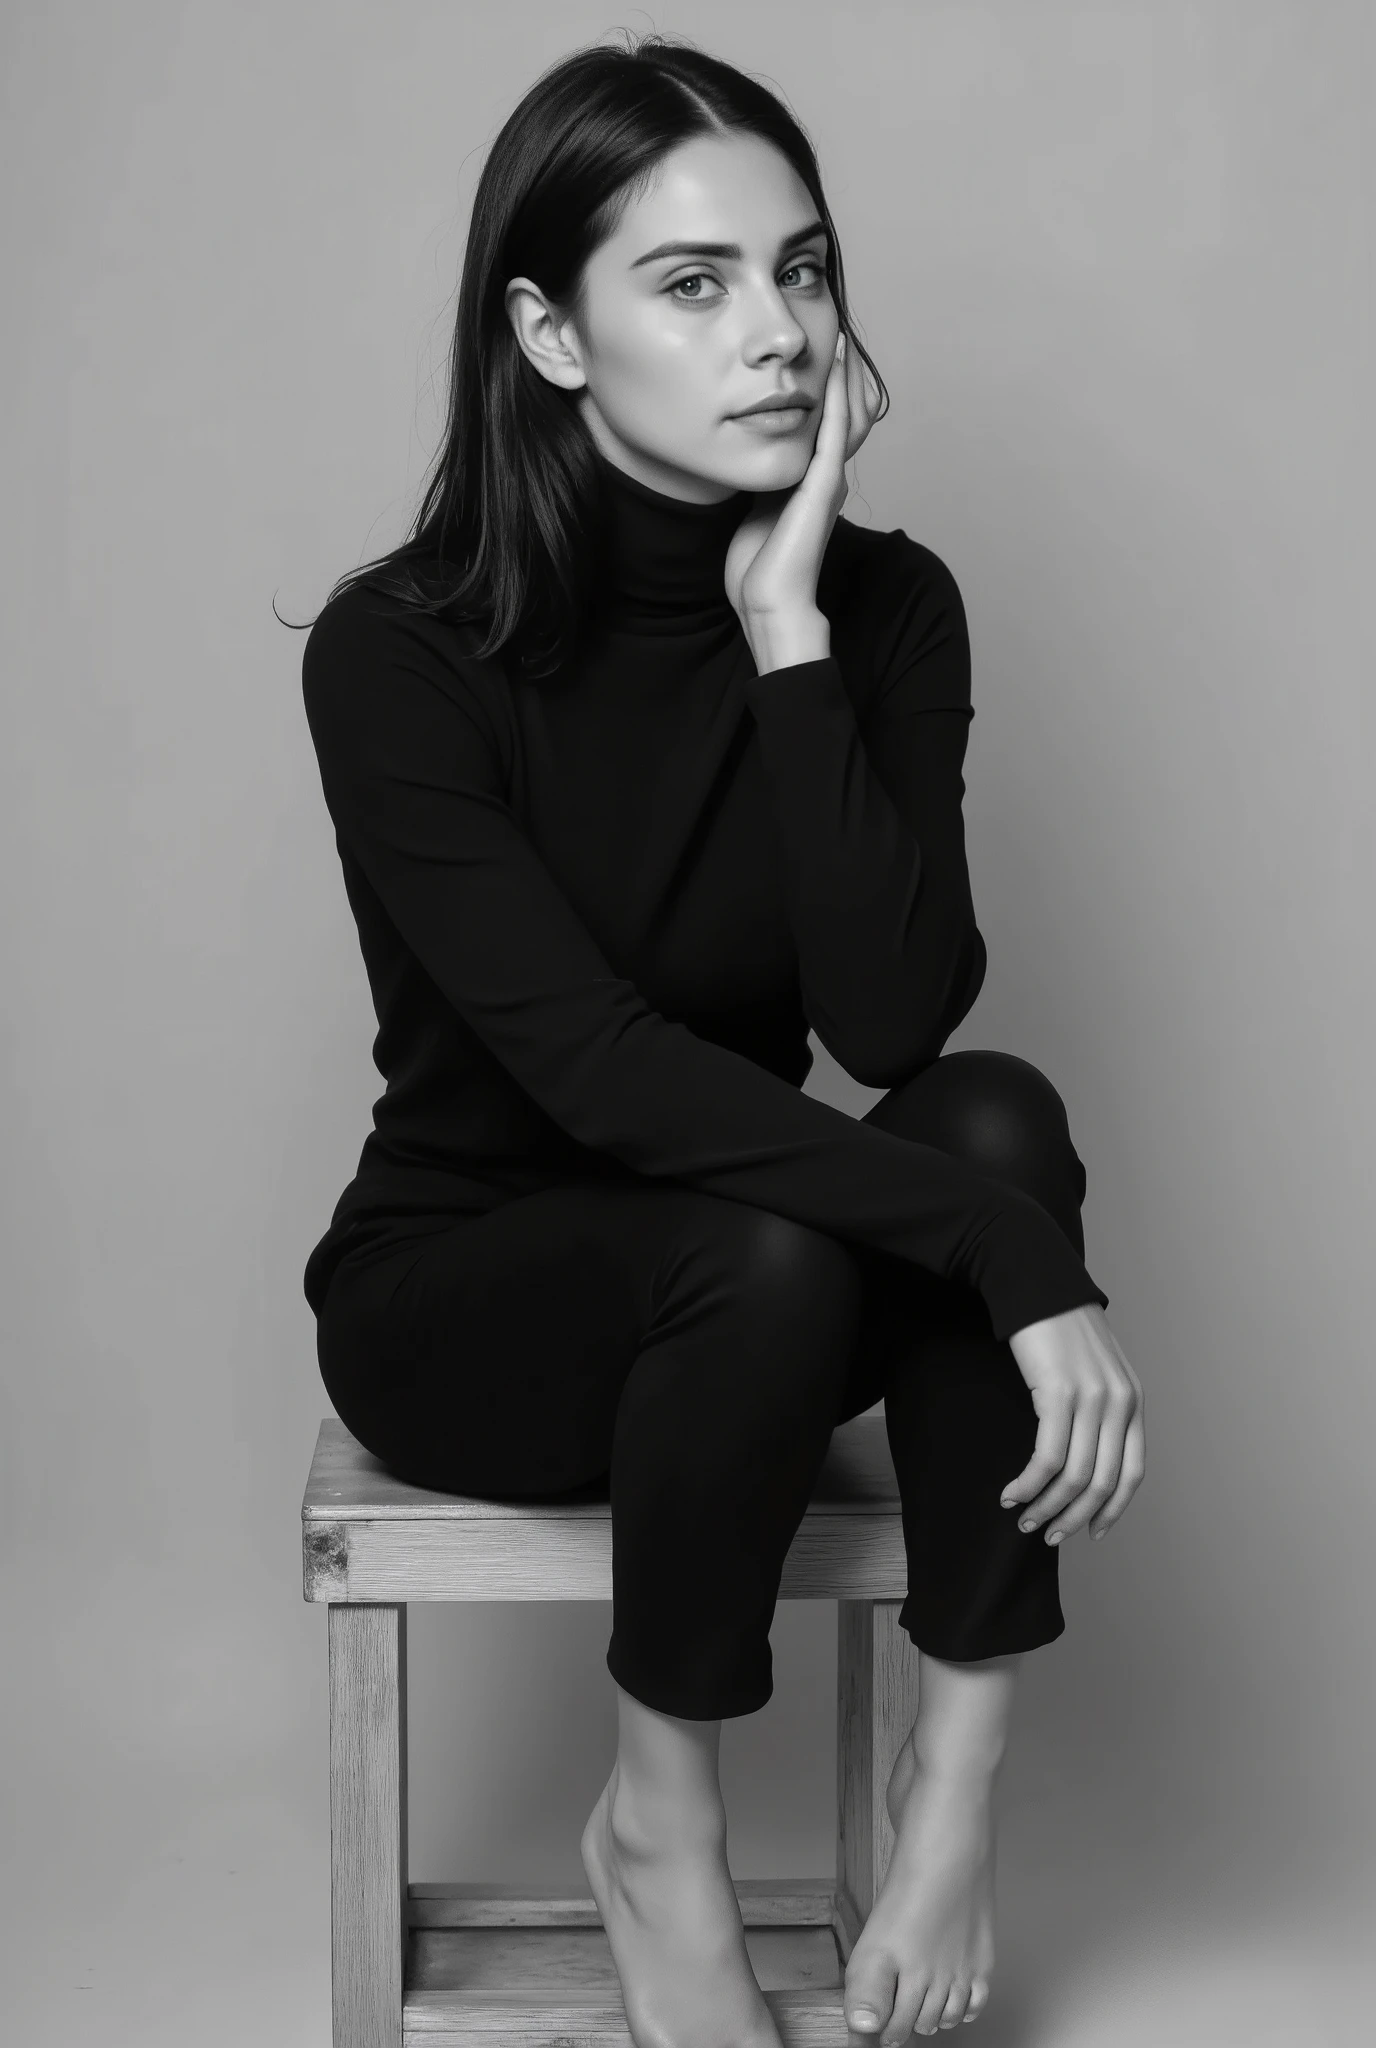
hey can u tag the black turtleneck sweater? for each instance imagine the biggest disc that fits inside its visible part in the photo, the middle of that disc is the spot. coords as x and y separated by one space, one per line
600 911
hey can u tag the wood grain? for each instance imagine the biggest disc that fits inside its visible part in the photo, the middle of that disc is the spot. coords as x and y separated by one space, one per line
547 1990
876 1705
764 1902
368 1823
450 1966
367 1536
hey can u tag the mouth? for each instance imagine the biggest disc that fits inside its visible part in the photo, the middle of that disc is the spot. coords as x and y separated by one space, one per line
796 404
776 416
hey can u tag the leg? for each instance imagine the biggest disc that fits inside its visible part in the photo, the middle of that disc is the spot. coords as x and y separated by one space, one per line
367 1823
686 1352
1001 1114
961 1423
959 1414
691 1352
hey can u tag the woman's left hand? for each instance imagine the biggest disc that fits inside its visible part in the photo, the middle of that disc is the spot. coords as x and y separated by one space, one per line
775 556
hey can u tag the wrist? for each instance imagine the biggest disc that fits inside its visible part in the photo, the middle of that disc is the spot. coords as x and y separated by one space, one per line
782 640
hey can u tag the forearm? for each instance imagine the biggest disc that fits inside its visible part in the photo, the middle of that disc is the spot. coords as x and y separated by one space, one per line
889 954
786 639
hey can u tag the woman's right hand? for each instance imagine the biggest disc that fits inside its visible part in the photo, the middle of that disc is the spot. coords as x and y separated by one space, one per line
1090 1452
775 555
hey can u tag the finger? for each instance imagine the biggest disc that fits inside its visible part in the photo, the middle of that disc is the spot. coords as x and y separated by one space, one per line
874 399
834 432
1048 1454
811 506
1077 1467
1137 1400
857 422
1129 1479
863 395
1108 1465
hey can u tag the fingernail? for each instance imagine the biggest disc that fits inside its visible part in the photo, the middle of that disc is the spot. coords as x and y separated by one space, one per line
1027 1527
864 2017
840 348
1007 1501
1097 1533
1055 1536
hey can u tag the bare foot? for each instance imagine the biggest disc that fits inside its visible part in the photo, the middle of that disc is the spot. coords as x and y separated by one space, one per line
924 1957
674 1924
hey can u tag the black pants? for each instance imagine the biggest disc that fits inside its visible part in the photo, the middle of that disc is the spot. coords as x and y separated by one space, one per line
689 1357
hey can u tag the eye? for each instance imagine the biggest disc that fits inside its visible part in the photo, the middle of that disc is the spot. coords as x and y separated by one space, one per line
698 277
694 277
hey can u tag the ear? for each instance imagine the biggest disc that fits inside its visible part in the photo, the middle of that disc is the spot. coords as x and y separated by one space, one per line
545 340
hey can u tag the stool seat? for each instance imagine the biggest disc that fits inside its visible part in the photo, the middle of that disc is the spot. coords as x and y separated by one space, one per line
529 1966
367 1535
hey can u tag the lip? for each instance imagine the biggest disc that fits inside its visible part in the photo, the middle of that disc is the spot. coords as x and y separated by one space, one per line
776 422
778 401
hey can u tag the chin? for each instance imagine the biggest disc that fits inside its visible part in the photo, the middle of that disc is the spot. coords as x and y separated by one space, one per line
774 469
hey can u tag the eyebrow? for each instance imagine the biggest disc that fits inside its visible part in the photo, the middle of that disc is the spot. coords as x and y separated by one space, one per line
730 250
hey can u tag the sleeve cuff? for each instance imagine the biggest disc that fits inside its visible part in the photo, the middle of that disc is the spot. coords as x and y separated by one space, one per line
778 686
1037 1273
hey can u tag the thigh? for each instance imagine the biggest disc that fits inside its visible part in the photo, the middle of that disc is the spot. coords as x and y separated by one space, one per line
490 1357
493 1357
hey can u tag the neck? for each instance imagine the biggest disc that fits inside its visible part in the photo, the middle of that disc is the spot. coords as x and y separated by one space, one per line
664 558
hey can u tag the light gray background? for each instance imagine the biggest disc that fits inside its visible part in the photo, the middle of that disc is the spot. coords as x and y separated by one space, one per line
1114 263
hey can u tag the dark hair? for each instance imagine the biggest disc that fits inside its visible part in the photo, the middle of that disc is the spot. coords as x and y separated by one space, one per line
513 507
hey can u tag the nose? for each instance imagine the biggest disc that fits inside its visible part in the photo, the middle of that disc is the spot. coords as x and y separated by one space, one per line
773 331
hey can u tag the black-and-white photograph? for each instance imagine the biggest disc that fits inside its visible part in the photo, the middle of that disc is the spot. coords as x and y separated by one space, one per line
689 1018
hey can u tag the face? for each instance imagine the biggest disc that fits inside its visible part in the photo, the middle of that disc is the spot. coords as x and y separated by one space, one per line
674 342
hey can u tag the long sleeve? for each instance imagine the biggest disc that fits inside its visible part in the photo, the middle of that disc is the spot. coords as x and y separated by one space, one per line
868 810
413 779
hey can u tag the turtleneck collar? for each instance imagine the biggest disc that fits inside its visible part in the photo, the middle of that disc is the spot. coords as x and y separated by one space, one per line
663 559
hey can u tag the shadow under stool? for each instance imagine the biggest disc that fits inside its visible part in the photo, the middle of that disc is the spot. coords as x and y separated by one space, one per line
521 1966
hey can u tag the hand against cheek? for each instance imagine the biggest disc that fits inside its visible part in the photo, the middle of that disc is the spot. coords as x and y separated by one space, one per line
775 556
862 402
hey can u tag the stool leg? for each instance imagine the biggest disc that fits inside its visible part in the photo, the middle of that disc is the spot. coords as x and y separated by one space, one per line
368 1867
876 1705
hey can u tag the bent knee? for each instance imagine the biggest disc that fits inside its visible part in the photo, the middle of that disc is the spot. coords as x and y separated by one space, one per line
1010 1109
995 1110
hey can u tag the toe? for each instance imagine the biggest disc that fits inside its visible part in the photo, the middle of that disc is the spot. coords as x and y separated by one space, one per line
979 1998
956 2005
906 2006
927 2015
870 1986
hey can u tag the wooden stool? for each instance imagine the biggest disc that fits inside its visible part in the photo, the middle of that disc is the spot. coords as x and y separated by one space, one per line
518 1966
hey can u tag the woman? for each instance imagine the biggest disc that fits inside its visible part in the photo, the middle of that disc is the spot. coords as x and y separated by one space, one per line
641 765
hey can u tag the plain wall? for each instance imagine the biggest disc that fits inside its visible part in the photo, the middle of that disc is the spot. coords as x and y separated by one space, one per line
1114 262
